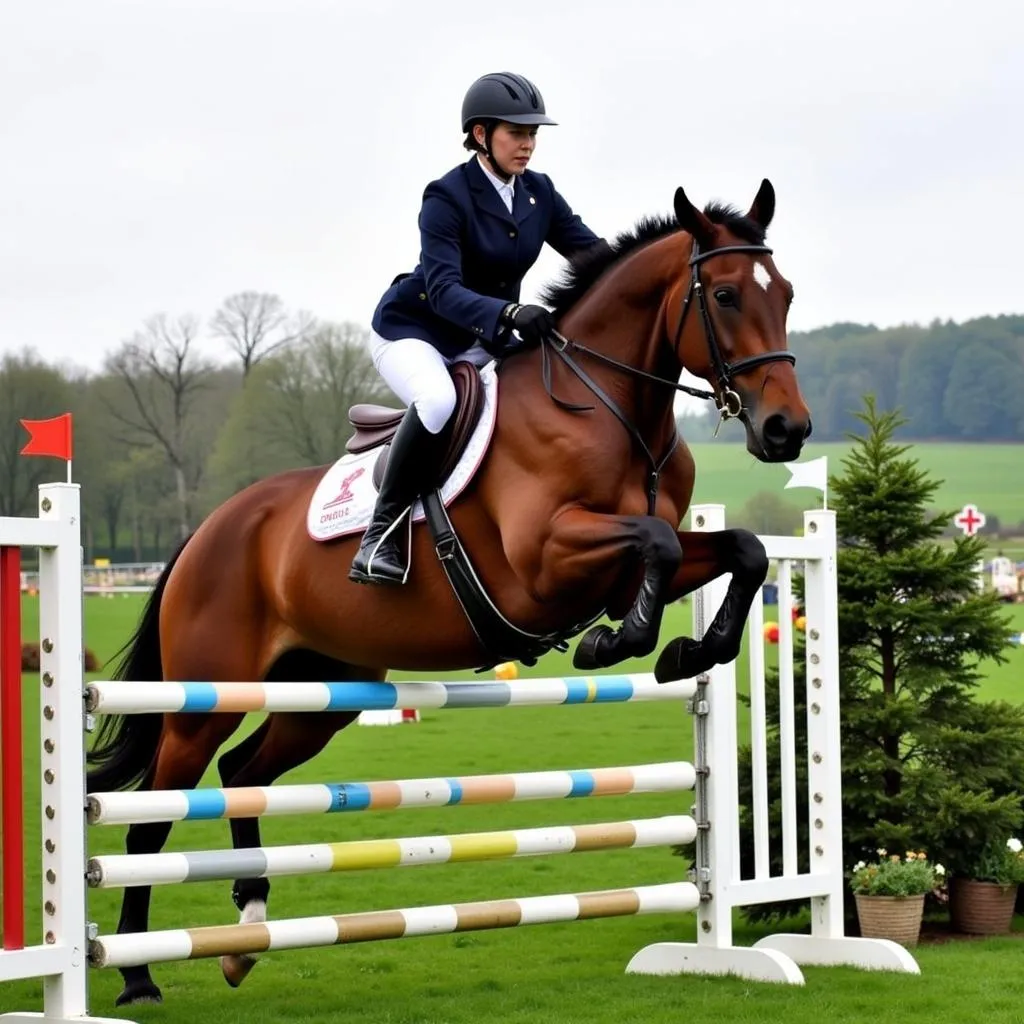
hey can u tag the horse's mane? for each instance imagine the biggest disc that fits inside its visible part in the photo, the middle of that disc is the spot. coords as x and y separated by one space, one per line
586 266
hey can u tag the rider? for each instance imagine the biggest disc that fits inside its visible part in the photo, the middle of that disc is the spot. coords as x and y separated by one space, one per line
481 229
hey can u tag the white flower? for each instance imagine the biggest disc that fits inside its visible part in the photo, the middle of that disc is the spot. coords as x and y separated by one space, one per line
859 866
939 870
882 852
1015 845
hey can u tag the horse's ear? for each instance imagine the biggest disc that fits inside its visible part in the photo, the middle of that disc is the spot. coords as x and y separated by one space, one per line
763 208
691 219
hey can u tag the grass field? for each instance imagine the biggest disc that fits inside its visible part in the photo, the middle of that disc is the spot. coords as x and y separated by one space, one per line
563 973
988 475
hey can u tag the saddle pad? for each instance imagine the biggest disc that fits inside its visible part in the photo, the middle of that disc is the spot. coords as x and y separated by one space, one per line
343 500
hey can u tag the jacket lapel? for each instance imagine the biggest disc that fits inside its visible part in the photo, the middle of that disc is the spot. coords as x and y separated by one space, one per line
524 203
485 195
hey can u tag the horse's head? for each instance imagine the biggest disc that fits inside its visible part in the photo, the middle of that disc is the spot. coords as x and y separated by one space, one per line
730 327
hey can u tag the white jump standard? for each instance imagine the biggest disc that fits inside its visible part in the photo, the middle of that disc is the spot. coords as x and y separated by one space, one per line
714 890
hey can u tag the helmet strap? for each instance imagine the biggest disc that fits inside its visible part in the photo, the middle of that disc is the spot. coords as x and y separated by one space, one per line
495 166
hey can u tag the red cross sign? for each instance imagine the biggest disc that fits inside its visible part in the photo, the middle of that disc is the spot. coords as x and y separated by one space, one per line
970 520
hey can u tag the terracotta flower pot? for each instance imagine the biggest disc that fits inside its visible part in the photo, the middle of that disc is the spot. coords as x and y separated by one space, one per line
890 917
981 908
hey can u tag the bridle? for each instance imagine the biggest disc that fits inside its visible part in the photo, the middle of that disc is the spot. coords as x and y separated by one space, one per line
727 400
730 405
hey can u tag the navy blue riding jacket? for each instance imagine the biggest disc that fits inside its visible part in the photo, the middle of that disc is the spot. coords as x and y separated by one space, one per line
474 255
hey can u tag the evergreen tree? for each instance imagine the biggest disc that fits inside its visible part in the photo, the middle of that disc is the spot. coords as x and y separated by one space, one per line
925 764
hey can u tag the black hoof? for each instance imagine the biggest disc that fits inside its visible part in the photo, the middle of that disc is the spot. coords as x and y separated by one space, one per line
683 658
138 993
595 649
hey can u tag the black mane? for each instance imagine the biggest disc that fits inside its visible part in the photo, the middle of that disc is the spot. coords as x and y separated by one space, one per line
586 266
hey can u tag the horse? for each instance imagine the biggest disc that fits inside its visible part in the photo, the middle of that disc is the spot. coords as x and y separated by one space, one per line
573 514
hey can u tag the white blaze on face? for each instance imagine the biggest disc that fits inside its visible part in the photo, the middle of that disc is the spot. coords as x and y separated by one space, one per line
761 275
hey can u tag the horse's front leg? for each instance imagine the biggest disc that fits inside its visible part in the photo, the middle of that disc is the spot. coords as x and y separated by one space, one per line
584 546
706 556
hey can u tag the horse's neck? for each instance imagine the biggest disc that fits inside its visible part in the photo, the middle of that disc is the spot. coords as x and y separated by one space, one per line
624 316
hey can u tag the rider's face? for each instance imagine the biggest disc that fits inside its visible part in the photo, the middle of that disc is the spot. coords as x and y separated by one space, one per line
511 144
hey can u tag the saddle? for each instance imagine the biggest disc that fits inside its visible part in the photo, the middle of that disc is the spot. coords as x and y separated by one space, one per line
375 425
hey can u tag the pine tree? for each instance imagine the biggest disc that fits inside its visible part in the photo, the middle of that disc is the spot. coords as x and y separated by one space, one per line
925 764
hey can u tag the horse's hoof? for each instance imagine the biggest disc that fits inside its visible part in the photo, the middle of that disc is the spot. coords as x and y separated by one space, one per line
683 658
589 654
139 993
236 968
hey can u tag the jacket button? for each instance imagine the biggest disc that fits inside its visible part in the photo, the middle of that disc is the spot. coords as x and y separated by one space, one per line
423 295
511 234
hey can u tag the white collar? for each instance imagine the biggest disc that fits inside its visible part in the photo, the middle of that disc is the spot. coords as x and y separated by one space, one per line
495 180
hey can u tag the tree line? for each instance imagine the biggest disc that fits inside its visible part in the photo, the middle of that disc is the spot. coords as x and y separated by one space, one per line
166 430
189 411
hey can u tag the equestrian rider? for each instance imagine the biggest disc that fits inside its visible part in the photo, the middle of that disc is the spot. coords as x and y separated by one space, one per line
482 227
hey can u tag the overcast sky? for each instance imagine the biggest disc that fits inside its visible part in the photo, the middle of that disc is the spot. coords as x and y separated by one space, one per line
159 156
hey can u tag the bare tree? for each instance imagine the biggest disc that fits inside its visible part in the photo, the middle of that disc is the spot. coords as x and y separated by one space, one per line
312 387
256 325
162 375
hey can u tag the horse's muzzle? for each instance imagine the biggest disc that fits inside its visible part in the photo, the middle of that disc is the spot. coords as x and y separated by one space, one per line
782 437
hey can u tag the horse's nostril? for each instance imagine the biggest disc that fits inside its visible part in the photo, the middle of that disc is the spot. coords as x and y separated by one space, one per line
776 430
807 432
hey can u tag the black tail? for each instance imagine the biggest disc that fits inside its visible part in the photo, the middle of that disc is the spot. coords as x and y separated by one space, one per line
125 745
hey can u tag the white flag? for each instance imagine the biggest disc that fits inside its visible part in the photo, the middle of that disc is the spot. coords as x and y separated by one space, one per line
808 474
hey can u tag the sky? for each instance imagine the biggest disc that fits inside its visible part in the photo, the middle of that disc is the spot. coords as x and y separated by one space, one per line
158 156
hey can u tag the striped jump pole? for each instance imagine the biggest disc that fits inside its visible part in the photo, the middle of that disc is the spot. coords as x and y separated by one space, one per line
134 808
125 698
124 870
308 932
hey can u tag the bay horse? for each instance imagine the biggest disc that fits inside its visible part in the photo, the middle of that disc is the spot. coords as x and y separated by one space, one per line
574 512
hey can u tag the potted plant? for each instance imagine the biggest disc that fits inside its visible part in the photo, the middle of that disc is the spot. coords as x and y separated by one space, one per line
981 899
890 893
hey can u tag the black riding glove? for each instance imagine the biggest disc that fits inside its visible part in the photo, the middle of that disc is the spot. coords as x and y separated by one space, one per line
535 324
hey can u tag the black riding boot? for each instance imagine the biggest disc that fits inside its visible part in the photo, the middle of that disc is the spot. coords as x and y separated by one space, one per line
414 463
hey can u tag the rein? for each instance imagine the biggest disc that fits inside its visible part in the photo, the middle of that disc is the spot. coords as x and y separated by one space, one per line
728 401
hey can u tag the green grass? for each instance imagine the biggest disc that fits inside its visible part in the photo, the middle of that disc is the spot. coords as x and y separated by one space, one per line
565 973
986 474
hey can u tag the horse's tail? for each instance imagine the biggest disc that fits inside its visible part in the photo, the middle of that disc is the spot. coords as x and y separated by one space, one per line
125 745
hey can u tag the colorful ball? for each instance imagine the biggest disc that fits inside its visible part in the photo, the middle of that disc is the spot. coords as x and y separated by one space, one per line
771 632
506 670
801 623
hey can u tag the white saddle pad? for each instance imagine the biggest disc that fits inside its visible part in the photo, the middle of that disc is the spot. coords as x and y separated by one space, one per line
343 500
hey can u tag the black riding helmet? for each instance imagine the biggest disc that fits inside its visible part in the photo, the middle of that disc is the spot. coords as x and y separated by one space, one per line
503 96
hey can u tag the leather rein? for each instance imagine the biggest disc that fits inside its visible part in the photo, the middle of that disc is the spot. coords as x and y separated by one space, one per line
727 400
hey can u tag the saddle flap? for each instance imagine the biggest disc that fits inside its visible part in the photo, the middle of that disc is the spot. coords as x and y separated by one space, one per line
469 403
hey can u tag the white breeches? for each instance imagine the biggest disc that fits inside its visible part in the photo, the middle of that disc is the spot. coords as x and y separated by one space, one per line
418 374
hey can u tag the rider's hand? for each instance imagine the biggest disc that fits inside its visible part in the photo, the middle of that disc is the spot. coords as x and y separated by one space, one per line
535 324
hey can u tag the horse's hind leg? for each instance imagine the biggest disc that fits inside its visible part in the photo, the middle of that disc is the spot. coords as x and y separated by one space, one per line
283 742
187 746
706 556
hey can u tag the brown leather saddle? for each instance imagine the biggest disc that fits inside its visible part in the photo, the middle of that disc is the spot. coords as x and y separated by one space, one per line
375 425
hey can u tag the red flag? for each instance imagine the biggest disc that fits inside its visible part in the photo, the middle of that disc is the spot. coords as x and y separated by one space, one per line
49 437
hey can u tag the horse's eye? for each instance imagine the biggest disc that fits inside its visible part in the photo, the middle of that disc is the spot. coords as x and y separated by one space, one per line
726 298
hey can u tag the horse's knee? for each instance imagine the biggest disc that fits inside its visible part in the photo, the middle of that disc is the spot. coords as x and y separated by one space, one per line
661 543
749 556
